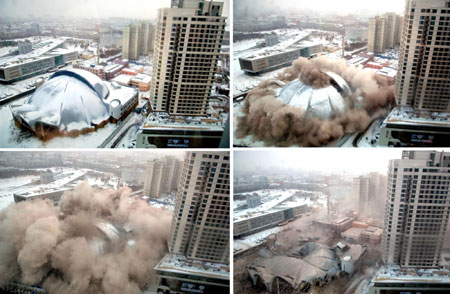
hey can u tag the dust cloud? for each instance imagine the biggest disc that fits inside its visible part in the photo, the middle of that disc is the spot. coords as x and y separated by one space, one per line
276 123
65 250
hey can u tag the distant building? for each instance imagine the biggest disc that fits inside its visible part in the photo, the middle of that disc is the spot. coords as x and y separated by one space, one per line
153 178
253 201
130 42
46 176
45 56
188 44
384 32
131 175
270 40
53 190
376 35
356 33
417 209
161 176
137 40
146 38
393 29
279 210
368 191
361 187
25 47
271 60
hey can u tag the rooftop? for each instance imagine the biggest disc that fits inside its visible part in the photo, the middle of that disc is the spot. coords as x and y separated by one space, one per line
122 79
406 115
396 274
176 263
141 78
277 197
279 47
39 49
165 121
57 185
387 71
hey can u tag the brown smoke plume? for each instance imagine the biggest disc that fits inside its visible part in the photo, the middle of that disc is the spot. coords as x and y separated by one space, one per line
270 120
58 247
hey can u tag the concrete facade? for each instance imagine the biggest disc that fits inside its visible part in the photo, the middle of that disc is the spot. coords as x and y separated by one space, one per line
422 80
187 48
417 209
201 221
376 35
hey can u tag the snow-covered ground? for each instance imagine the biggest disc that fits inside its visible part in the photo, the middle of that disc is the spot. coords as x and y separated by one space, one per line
10 186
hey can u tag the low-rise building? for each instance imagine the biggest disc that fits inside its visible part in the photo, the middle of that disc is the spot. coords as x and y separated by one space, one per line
270 60
281 208
45 55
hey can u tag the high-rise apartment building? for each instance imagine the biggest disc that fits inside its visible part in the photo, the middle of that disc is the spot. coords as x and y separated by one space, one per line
153 178
424 63
361 187
146 31
376 35
417 209
168 174
137 40
384 32
368 192
162 176
188 41
392 29
201 220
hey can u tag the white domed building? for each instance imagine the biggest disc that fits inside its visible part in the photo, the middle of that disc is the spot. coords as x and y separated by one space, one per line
323 103
74 100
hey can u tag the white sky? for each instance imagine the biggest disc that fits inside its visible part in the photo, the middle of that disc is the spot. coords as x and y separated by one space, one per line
145 9
338 6
349 160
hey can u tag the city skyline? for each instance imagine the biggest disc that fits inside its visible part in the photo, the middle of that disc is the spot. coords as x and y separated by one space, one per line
313 159
87 8
328 6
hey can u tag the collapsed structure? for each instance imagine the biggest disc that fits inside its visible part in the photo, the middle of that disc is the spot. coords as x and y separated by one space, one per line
73 102
311 264
95 242
313 103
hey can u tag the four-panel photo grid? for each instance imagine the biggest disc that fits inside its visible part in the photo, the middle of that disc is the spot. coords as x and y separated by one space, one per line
224 147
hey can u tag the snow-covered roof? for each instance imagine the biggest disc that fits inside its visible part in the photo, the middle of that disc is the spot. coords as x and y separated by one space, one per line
177 263
403 115
39 49
277 198
69 100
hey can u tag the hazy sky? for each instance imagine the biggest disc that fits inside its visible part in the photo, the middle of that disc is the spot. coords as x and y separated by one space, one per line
350 160
338 6
88 8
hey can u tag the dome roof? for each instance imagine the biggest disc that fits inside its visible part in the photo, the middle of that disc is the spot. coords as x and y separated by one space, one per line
323 103
69 100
